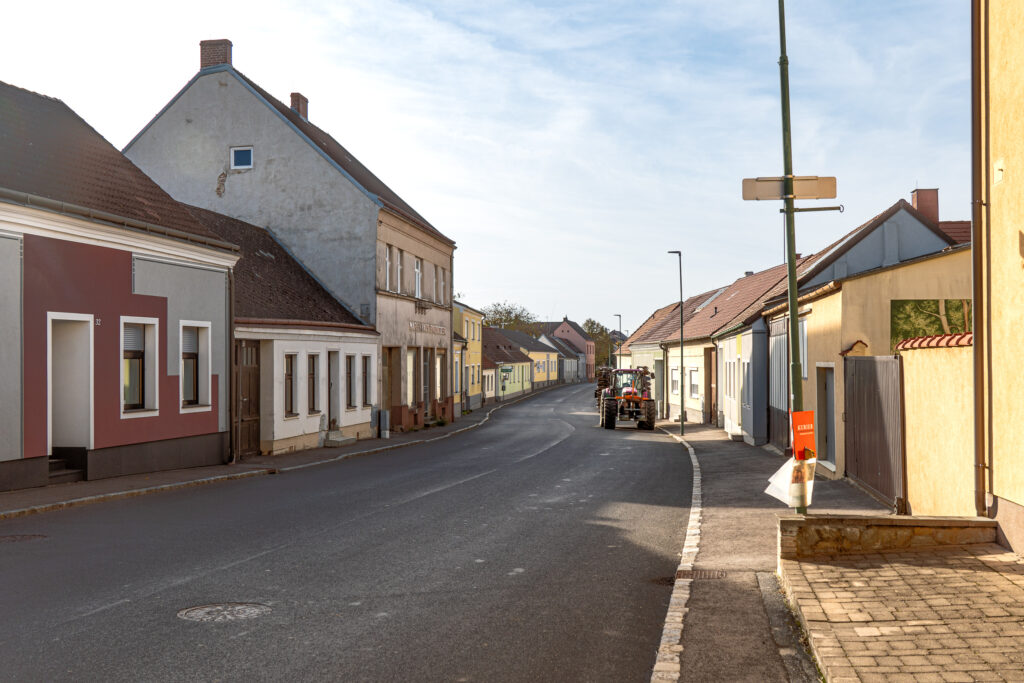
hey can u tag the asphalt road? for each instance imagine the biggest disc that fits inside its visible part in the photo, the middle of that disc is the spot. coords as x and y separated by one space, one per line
534 548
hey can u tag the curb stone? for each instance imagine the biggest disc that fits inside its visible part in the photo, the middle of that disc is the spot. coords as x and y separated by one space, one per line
669 660
259 471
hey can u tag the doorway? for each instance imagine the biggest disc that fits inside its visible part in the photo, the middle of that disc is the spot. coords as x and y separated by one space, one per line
427 394
826 427
69 382
248 354
333 382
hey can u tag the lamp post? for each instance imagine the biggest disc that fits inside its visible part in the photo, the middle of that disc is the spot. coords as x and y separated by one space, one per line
618 344
682 406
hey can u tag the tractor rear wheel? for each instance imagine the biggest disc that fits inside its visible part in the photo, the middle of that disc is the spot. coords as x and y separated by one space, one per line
650 414
608 410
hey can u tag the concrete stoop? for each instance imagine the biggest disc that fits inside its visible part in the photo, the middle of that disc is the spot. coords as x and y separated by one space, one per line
337 440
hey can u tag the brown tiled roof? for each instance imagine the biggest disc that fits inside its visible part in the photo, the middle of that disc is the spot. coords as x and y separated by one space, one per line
47 150
341 156
500 349
958 231
641 333
549 327
487 363
753 311
563 347
737 297
937 341
526 341
269 282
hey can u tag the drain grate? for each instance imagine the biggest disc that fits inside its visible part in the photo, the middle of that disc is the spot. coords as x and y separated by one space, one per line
15 538
700 574
224 611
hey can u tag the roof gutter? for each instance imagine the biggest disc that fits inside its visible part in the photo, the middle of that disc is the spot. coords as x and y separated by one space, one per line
818 293
979 237
729 330
280 322
68 209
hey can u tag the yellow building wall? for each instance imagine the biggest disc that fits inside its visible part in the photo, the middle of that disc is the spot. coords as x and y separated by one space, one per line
468 323
860 311
822 321
939 430
1002 164
693 359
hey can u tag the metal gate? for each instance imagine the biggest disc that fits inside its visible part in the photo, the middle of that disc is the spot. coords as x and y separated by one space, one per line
874 426
778 385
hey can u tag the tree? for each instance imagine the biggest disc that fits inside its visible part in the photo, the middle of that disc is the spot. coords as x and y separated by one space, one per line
910 318
511 316
604 347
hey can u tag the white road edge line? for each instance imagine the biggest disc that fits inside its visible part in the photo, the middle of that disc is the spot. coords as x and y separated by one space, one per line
668 664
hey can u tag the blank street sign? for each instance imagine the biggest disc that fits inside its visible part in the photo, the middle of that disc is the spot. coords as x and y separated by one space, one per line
804 187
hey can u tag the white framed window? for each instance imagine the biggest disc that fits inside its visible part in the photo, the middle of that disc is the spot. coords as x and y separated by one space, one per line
803 347
444 288
313 383
290 381
350 382
674 386
398 280
367 380
419 278
387 267
140 358
694 383
195 377
241 158
437 287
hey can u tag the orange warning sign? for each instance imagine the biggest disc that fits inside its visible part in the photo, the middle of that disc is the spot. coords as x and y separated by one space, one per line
803 434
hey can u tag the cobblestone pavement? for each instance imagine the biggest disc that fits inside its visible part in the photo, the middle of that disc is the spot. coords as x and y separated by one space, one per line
943 614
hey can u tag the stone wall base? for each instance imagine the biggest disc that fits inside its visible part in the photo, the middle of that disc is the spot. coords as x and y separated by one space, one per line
814 535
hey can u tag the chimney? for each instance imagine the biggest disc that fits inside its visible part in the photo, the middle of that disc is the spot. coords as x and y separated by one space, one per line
214 52
927 202
300 105
748 273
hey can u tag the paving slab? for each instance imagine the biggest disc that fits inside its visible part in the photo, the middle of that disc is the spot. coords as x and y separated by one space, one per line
954 613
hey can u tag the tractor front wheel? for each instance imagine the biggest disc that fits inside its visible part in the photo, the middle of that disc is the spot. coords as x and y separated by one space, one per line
608 410
650 415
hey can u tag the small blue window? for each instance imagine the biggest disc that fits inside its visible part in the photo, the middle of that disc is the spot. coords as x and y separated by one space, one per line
241 157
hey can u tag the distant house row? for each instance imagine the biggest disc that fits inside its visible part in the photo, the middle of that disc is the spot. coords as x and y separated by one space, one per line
233 283
902 274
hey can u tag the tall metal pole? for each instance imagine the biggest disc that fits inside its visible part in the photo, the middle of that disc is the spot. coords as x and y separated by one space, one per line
796 375
682 406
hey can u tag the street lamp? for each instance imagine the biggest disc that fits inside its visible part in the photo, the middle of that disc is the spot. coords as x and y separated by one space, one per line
682 404
618 361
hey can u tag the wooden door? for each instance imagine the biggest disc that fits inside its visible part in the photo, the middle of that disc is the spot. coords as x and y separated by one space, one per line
874 426
248 354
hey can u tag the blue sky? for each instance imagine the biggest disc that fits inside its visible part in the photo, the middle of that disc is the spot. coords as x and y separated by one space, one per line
565 146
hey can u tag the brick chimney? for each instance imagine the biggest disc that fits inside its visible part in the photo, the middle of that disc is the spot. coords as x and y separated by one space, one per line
927 202
214 52
300 105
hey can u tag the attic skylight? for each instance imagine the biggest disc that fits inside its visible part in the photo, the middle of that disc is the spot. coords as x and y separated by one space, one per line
710 299
241 158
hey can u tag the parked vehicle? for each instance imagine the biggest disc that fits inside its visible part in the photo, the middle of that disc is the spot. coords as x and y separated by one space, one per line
625 395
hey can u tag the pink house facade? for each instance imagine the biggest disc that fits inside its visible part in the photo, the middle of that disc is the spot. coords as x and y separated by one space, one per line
574 334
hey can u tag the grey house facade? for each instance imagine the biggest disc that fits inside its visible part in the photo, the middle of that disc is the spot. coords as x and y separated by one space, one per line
226 145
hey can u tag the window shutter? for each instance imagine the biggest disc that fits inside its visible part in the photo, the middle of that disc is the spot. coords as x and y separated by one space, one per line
134 337
190 340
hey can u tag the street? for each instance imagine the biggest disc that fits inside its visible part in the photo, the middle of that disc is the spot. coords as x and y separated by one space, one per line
536 547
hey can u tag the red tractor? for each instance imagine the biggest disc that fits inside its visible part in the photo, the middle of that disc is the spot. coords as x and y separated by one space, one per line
625 395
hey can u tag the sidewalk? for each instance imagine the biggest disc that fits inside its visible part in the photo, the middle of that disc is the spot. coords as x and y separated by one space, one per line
59 496
949 613
954 613
734 626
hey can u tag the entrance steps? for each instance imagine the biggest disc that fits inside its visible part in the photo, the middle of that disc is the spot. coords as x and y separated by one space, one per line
62 470
335 439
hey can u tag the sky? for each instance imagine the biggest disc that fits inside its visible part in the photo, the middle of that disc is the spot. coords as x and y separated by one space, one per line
564 146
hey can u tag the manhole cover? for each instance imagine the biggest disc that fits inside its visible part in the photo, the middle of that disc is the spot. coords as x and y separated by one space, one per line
21 537
225 611
700 574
